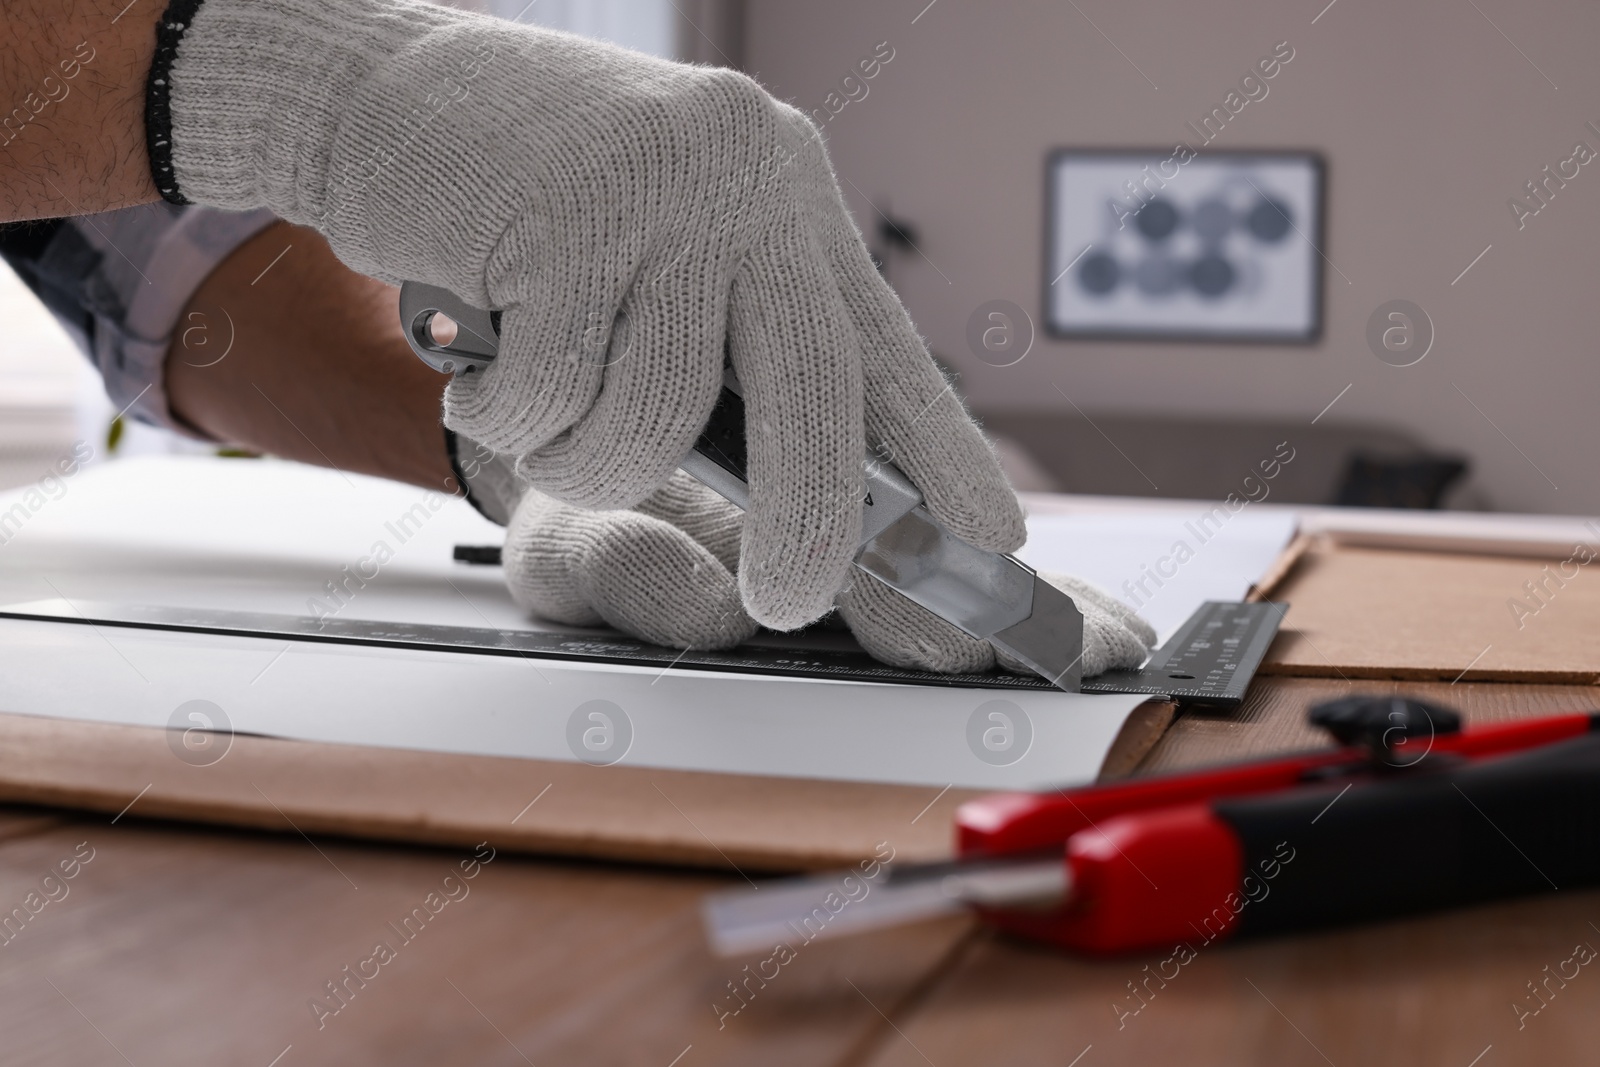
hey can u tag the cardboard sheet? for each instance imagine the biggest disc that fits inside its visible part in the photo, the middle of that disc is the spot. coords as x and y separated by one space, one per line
268 536
1369 612
746 822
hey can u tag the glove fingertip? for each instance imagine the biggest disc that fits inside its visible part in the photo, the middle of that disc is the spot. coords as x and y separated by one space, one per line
964 485
998 525
778 602
794 559
895 631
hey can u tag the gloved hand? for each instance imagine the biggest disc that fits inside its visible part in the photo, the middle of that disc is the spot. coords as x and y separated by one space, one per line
664 572
630 215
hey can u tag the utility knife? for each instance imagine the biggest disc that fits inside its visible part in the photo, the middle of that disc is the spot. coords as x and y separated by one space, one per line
989 595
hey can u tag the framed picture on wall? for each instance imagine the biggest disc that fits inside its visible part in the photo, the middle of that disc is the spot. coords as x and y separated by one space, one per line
1180 245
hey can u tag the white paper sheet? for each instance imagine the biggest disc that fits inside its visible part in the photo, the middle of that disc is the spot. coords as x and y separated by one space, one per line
1163 563
499 706
269 536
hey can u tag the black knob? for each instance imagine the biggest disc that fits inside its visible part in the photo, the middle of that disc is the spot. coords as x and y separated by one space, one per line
1380 723
898 232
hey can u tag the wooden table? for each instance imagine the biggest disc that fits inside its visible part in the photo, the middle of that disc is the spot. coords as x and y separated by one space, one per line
180 945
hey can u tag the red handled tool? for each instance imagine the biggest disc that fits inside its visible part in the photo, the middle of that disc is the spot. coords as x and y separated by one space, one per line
1410 814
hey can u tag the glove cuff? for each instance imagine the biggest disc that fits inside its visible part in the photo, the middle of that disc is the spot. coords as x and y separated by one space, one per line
158 98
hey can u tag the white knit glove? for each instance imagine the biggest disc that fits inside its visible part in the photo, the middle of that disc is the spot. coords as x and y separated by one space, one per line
631 215
665 572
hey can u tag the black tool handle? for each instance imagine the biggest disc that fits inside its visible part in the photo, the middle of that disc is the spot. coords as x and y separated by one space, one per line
720 457
1437 835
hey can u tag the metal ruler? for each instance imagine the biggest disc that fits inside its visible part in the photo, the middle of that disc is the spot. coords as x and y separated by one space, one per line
1210 660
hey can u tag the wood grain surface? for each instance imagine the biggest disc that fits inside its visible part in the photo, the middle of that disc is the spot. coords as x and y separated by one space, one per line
1431 992
183 944
192 946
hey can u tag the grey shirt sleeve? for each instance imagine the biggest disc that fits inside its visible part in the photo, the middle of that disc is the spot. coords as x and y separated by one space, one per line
119 281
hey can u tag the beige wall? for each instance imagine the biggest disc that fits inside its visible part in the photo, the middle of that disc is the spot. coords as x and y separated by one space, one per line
1430 121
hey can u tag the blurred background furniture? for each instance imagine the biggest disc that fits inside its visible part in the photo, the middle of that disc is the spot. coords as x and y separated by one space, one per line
1206 459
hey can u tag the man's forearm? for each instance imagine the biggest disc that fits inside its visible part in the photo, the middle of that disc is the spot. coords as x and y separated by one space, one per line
285 350
72 98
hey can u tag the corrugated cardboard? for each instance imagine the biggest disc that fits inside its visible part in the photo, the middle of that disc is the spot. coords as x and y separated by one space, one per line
1362 611
719 821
